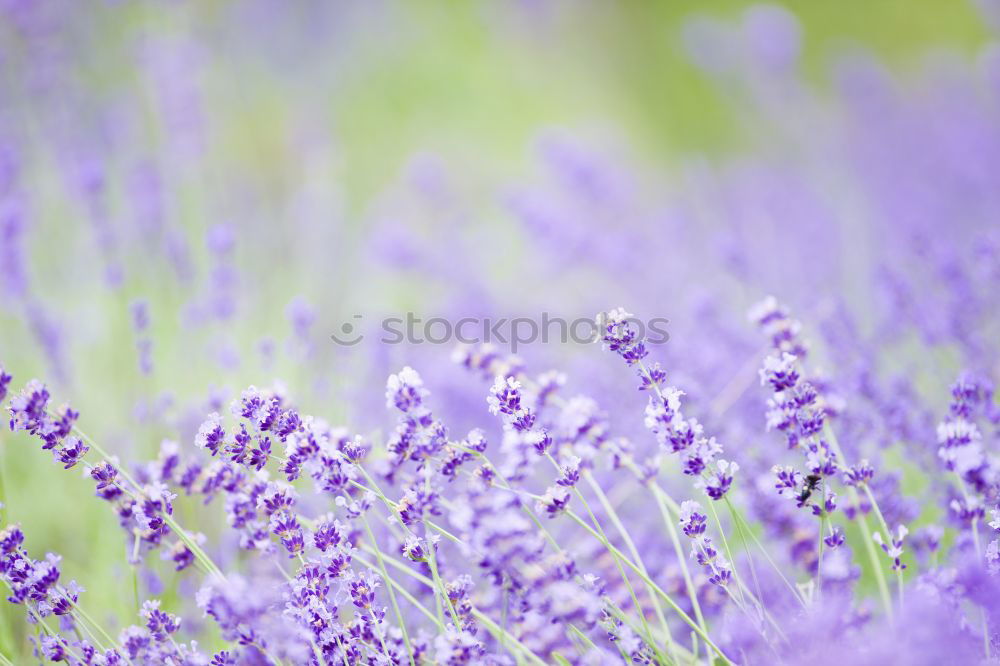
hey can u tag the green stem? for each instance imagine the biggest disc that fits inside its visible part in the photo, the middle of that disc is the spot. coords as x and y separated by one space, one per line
83 614
866 534
402 590
389 588
656 588
682 560
439 588
538 523
487 622
740 520
888 537
603 538
819 546
729 553
195 549
616 521
432 561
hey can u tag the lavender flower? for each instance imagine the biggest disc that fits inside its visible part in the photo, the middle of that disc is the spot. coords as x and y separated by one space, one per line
894 549
71 452
5 380
619 336
405 391
554 501
692 522
505 400
835 538
140 324
859 474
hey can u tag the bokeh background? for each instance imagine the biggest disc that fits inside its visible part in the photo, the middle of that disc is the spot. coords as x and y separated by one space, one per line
194 195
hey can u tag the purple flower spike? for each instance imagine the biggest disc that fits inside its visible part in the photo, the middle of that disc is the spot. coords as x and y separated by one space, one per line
11 538
554 501
693 522
405 391
718 482
286 527
781 373
27 409
71 452
5 380
835 538
619 336
894 549
859 475
363 590
211 435
159 623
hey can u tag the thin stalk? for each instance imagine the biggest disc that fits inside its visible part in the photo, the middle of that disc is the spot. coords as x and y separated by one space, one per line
90 635
83 614
740 520
676 510
883 587
628 584
432 561
609 603
135 588
682 560
555 545
819 546
392 595
616 521
888 537
603 538
503 618
48 630
750 563
979 557
859 518
524 506
538 523
698 630
439 588
666 597
195 549
819 559
584 637
403 592
395 509
490 625
729 553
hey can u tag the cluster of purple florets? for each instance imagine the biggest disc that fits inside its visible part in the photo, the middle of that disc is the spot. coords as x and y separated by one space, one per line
335 534
685 437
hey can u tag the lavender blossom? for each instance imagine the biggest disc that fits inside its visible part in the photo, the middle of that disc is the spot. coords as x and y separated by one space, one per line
692 523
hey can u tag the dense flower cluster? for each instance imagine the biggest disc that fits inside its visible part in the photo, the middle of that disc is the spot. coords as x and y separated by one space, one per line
333 592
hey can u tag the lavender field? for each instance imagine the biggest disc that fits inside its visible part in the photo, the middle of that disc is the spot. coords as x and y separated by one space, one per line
515 333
